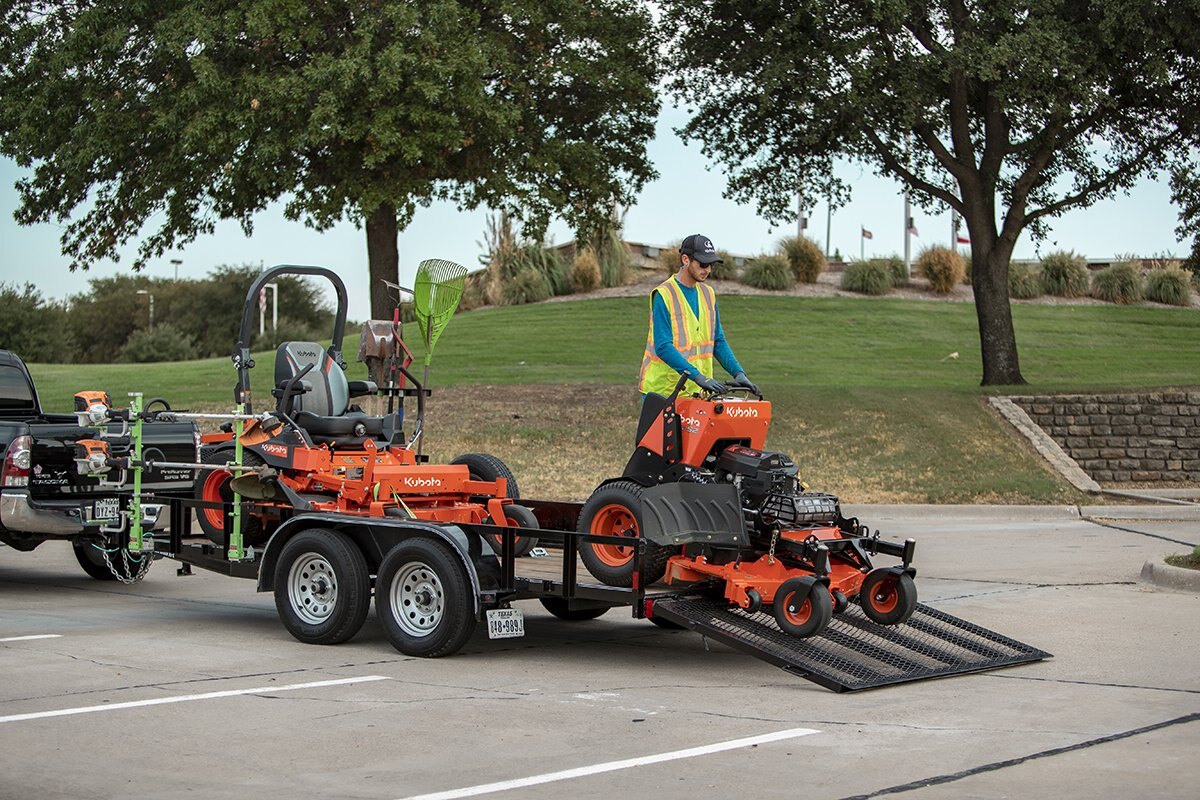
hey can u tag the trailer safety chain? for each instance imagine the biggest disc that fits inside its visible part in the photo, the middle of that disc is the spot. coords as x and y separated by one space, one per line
126 575
771 550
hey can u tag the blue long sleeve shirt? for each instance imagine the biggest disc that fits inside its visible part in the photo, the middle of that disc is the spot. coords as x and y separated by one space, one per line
664 344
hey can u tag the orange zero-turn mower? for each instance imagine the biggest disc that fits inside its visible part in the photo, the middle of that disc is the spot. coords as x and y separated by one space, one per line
715 511
318 452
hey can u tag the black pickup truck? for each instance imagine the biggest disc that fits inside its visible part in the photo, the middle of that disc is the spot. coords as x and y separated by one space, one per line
44 497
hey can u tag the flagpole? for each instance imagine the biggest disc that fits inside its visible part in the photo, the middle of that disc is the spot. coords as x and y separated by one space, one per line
954 229
862 243
907 234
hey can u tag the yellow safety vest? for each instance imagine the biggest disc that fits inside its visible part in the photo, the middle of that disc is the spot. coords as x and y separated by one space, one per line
691 334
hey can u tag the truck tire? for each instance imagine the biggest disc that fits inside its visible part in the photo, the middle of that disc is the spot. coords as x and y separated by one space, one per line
615 509
92 561
424 599
322 587
212 486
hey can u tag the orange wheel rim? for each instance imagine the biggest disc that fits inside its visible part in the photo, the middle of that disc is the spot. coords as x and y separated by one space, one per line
884 597
215 490
797 616
614 520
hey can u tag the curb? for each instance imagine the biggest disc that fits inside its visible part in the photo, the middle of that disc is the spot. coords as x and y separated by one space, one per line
1162 574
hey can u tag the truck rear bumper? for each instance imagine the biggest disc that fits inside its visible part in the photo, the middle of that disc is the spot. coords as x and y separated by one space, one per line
19 513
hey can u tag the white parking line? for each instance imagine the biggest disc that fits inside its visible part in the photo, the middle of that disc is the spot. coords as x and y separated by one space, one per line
612 766
30 638
64 712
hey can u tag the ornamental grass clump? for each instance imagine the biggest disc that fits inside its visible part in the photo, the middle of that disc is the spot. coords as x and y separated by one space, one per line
527 286
1120 283
1024 281
943 267
585 271
668 259
1064 274
1170 285
895 266
868 277
804 256
725 269
769 272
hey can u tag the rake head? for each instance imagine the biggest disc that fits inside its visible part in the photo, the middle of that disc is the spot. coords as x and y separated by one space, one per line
436 292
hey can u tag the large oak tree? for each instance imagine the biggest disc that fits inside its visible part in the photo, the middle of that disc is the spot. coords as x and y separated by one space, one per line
151 120
1009 112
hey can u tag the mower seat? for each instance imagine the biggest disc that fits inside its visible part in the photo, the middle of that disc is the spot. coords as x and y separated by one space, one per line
324 411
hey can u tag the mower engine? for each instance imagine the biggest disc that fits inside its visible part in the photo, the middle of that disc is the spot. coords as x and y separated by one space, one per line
771 491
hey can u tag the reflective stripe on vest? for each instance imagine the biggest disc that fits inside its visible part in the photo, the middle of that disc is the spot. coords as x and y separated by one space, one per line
693 336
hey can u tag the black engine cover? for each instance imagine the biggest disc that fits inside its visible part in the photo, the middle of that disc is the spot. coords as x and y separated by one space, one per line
762 472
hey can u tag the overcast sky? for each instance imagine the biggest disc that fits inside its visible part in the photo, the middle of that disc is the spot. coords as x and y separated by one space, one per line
686 198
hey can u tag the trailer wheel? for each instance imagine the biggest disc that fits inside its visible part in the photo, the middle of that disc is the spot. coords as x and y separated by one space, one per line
423 598
615 510
559 607
322 587
802 607
213 487
888 597
520 517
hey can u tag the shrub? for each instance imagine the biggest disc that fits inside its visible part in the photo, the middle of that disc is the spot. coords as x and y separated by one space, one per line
613 257
668 259
896 268
549 263
474 291
943 267
1024 281
868 277
1119 283
804 256
164 343
527 286
725 270
1064 274
1170 285
585 272
769 272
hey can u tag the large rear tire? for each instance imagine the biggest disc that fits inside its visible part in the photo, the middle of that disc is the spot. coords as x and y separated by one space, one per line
888 597
424 600
212 487
486 467
322 587
615 509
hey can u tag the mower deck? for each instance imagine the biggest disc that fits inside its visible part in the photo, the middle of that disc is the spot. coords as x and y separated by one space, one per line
854 653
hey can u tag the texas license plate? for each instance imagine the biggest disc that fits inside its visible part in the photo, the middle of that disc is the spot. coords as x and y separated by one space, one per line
108 508
505 623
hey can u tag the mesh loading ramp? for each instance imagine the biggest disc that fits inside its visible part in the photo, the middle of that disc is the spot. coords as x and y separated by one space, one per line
854 653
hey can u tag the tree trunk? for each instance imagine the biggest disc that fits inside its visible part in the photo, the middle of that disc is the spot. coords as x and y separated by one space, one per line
383 258
997 338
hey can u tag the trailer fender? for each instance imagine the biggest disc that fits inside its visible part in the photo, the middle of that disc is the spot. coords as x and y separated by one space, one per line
376 536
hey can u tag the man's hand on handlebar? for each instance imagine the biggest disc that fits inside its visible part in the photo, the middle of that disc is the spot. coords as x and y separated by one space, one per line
741 380
710 385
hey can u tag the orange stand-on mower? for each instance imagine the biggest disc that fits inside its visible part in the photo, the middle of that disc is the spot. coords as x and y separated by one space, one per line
713 509
316 452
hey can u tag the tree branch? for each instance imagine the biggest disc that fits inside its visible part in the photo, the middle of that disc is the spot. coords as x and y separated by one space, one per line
893 164
1132 167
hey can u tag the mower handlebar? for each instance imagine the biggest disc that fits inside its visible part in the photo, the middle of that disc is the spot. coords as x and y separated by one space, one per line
730 388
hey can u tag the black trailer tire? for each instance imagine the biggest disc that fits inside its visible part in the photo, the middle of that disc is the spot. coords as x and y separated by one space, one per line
486 467
888 597
666 624
92 561
424 599
802 607
520 517
212 486
615 510
322 587
559 607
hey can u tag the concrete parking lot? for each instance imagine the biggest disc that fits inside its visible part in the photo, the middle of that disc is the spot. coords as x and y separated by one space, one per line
190 687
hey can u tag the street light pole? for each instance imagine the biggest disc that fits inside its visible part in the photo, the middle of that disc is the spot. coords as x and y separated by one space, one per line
176 262
151 296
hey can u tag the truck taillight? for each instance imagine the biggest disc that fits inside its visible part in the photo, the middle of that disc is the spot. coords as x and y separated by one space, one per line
17 462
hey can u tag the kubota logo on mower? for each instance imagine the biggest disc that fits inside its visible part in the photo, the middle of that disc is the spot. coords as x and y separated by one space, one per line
422 483
275 450
692 424
742 411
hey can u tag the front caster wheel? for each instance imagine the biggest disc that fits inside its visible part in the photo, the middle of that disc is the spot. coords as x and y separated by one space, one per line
424 599
322 587
888 597
802 607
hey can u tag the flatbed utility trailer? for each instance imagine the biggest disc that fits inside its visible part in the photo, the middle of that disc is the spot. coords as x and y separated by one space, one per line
434 582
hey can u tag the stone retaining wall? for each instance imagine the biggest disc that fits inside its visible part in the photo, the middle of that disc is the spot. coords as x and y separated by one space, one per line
1140 438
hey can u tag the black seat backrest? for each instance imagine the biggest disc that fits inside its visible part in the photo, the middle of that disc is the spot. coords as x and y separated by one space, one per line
330 395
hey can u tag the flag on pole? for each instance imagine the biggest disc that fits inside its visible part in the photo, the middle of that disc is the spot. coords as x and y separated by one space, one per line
866 234
912 227
262 299
963 239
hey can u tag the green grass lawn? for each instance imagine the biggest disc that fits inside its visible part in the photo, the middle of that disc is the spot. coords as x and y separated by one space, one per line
866 397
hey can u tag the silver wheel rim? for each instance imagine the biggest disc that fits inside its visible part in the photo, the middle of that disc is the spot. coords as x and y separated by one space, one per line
312 588
417 598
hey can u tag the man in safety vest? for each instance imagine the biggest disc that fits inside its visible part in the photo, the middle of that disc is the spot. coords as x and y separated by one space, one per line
685 328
